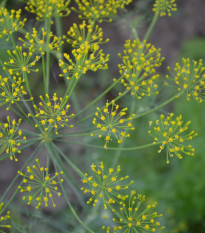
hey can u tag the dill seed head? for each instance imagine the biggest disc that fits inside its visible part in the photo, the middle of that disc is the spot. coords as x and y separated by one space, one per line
165 7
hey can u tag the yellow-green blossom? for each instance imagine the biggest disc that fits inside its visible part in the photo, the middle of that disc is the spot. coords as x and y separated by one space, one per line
99 10
20 62
131 216
104 184
171 133
140 60
39 185
11 92
11 138
48 8
111 122
165 7
4 220
53 112
190 77
10 22
36 41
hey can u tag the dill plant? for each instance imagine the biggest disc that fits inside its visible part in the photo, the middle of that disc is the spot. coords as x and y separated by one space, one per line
50 115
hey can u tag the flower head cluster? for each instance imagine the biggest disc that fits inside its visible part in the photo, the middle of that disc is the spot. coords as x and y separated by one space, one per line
20 62
36 41
190 77
11 92
139 62
53 112
3 219
99 10
111 122
165 7
39 185
10 22
10 138
132 217
103 184
48 8
172 135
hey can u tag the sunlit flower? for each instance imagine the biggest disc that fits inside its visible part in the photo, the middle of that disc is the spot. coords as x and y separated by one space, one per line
104 184
48 8
20 62
140 60
111 122
53 112
132 216
39 185
11 138
190 77
172 135
10 22
36 41
165 7
3 220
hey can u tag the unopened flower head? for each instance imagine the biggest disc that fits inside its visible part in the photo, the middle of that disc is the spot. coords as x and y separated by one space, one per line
36 41
190 77
172 134
165 7
11 92
104 184
48 8
85 36
140 60
84 60
39 185
10 22
20 62
111 122
53 112
132 216
4 220
11 138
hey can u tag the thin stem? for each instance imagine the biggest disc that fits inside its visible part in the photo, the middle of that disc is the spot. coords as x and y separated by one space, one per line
149 31
25 77
44 72
26 117
48 28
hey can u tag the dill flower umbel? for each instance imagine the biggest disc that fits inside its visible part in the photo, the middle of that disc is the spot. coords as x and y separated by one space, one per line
48 8
20 62
36 41
10 22
140 60
190 77
130 216
53 112
172 135
104 184
165 7
39 185
3 220
11 138
111 122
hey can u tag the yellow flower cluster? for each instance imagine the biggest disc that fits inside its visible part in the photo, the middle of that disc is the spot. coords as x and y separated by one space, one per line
165 7
111 122
48 8
36 41
39 185
20 62
10 22
105 185
99 10
138 69
189 76
10 138
52 112
3 219
172 134
130 216
11 91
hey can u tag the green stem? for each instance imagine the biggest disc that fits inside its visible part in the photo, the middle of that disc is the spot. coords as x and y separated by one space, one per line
149 31
48 28
26 117
44 72
25 77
